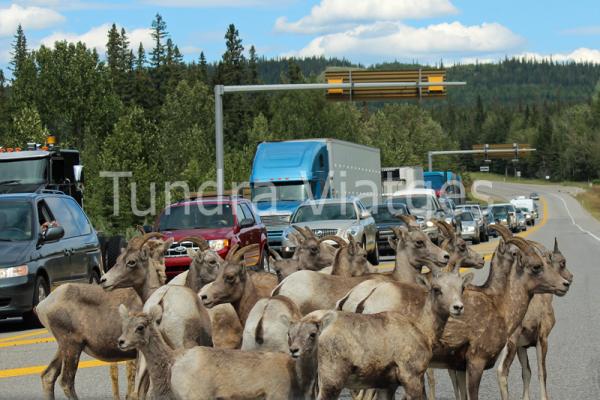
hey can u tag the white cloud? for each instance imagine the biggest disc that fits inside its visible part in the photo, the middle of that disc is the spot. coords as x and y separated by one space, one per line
335 14
31 18
394 40
98 36
581 54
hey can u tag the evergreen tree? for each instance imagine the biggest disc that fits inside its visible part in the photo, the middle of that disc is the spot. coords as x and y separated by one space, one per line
233 62
19 53
140 61
159 33
202 68
114 52
252 66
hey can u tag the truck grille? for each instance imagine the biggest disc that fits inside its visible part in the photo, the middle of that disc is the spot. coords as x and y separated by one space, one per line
180 249
275 220
324 232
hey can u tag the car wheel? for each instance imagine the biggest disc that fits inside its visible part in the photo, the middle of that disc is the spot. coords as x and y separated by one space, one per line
41 290
264 262
476 240
95 277
374 255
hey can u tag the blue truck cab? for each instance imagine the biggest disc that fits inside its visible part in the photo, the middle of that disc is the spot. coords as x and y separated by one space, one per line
284 174
445 183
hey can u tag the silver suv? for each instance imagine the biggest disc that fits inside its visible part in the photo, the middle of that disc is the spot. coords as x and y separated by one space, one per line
339 217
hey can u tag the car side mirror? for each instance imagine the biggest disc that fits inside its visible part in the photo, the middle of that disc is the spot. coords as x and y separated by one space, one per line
246 222
52 234
365 214
78 173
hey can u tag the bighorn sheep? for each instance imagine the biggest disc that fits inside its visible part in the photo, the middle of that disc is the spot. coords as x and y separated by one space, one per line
233 285
314 291
454 244
353 353
203 373
311 253
80 317
185 322
268 323
533 331
474 342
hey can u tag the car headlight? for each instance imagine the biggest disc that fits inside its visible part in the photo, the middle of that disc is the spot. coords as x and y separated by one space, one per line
218 244
470 228
353 230
14 272
448 220
429 224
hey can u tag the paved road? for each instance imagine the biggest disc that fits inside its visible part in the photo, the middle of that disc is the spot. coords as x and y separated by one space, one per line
573 360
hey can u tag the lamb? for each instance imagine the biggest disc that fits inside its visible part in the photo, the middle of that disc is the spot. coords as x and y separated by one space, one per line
388 349
206 373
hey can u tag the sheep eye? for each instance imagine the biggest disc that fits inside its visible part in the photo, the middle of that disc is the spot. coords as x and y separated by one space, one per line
420 243
537 269
139 328
230 279
437 291
313 335
131 263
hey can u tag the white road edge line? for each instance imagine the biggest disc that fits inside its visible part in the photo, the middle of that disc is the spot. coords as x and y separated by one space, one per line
573 219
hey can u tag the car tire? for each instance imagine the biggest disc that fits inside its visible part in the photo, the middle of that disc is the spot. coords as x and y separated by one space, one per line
264 262
373 257
113 250
475 240
41 290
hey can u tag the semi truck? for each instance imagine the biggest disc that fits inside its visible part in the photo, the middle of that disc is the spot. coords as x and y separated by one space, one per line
286 173
394 179
445 183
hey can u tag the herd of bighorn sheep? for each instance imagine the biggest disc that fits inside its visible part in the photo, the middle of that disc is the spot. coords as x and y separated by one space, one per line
325 322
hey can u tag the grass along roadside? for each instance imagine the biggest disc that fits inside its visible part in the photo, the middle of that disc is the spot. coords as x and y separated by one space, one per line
590 200
512 179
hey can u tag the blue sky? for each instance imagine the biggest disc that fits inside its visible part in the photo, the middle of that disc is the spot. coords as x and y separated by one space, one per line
367 31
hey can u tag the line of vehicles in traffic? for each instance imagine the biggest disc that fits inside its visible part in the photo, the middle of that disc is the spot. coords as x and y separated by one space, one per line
330 186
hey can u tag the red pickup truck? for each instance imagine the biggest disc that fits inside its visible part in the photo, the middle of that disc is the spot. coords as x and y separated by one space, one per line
223 221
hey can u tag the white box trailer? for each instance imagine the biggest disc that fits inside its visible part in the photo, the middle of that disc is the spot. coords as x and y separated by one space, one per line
354 170
394 179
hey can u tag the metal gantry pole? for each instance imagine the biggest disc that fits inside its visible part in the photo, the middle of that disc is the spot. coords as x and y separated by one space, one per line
219 138
430 154
220 90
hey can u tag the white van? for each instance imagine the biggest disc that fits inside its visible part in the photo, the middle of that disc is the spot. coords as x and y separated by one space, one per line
528 205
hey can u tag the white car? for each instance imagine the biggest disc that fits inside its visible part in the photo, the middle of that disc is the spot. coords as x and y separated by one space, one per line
339 217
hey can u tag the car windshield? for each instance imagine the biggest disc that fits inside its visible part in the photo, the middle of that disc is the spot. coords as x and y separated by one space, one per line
16 221
32 171
501 211
416 202
325 212
289 191
465 216
386 213
196 216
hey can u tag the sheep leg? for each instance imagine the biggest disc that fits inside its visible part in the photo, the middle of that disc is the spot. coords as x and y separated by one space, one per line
506 359
114 380
525 371
542 350
327 388
50 375
474 373
69 369
131 366
431 383
461 381
454 379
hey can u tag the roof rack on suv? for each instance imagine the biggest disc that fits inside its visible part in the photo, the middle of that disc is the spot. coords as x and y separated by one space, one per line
49 191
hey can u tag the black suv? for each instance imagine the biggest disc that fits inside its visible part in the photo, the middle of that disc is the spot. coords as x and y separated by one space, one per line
45 240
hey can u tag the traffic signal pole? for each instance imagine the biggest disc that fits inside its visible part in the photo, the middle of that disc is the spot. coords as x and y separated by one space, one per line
221 90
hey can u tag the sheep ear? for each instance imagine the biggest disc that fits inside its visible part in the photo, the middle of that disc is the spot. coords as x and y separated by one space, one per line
144 253
423 281
166 244
191 253
327 319
393 242
123 311
467 278
284 319
156 313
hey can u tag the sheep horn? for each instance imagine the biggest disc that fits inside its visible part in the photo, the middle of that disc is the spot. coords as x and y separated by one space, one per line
239 254
300 231
231 252
556 250
520 243
502 231
275 254
309 233
334 238
140 229
443 229
397 231
410 222
148 236
198 241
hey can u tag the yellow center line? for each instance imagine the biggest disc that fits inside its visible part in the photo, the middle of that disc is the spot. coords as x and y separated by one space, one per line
38 369
24 335
27 342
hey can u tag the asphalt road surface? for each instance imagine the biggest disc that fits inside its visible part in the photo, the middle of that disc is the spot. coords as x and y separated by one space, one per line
574 354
